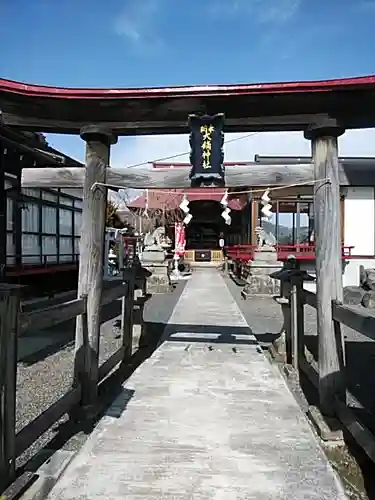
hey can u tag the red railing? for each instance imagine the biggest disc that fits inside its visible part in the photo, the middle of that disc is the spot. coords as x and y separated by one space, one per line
305 251
242 253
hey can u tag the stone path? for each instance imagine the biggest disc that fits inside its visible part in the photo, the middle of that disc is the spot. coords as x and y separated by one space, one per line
206 417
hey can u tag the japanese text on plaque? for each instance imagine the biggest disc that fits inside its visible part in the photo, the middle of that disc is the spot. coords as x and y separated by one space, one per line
206 131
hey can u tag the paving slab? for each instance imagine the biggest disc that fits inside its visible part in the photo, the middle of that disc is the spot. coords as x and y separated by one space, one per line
206 417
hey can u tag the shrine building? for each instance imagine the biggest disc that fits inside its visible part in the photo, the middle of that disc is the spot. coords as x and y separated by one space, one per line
291 225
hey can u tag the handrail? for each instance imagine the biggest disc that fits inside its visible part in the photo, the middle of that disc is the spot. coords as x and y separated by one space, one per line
306 251
301 251
349 316
51 316
42 319
242 252
352 317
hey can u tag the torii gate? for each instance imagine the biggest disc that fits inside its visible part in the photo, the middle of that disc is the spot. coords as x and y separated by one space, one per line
101 115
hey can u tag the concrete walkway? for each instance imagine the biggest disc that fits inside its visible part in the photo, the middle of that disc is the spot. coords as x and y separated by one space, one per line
206 417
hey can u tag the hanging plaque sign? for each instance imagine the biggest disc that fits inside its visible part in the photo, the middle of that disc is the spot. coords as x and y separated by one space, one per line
206 150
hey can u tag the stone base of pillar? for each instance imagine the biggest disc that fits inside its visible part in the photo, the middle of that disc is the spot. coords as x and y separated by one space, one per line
153 259
278 348
258 281
159 281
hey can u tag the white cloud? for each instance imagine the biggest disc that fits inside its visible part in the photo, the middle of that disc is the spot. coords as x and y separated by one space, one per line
366 5
148 148
135 23
139 149
264 11
128 152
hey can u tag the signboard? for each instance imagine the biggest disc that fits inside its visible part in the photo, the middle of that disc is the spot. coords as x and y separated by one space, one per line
206 150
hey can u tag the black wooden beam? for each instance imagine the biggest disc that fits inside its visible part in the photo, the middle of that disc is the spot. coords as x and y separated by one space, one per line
3 214
252 175
346 161
44 155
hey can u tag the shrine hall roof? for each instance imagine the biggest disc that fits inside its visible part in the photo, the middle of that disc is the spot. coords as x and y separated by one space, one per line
247 107
171 199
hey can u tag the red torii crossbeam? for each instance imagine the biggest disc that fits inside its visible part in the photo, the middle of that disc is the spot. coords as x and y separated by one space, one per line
318 108
247 107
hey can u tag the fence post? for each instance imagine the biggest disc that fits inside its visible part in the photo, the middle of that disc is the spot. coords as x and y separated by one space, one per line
281 347
144 286
300 319
341 353
90 280
297 320
323 136
9 317
294 325
226 266
287 313
127 307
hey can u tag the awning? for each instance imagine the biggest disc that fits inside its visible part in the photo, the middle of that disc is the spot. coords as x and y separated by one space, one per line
157 199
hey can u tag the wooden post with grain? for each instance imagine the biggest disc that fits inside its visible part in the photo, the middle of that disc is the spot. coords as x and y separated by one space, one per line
3 211
297 321
9 313
294 325
127 316
300 320
328 257
286 336
226 265
90 278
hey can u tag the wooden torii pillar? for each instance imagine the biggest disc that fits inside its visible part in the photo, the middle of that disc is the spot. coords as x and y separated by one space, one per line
323 136
90 277
3 212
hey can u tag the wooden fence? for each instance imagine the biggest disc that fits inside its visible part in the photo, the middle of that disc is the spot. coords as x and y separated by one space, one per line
296 350
14 323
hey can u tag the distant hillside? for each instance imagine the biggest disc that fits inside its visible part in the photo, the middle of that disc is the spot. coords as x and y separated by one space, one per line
286 233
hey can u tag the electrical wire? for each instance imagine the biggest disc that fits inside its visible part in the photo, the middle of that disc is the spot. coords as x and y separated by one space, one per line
247 191
157 171
178 155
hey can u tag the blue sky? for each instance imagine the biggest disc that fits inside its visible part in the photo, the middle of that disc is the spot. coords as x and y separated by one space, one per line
123 43
168 42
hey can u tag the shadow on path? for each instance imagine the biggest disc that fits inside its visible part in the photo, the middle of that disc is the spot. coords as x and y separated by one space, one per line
156 313
213 334
39 345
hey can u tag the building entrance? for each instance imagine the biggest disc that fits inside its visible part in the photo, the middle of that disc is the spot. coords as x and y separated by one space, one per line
203 232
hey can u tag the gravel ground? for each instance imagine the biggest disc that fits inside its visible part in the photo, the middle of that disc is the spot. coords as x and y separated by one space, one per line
265 319
262 314
45 366
46 362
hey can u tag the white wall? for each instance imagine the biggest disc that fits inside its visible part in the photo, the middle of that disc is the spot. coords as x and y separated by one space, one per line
359 231
351 271
359 224
77 192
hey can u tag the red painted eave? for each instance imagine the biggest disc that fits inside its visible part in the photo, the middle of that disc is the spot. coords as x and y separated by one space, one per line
169 201
262 107
27 89
188 165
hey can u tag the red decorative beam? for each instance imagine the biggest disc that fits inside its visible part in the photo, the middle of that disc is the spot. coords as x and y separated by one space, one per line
32 90
241 253
305 251
245 253
247 107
